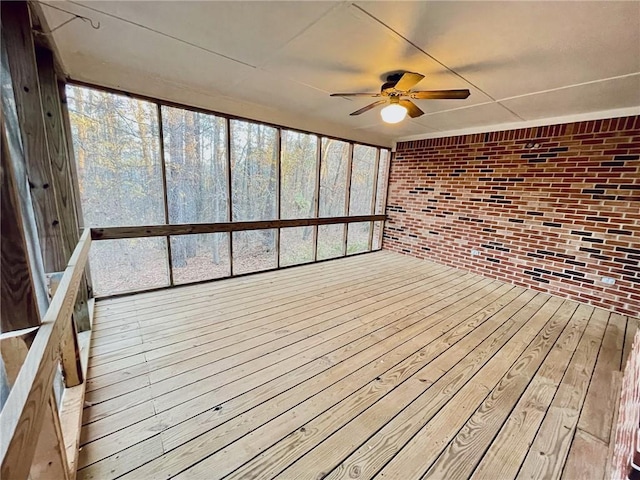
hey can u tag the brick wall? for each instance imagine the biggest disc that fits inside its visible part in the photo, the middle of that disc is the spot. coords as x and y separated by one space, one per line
556 217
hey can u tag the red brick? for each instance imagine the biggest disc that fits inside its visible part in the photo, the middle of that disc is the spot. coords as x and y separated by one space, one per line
564 189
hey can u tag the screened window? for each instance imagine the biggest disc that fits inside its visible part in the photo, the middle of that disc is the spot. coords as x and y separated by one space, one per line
298 173
142 163
333 177
195 153
254 171
362 180
117 150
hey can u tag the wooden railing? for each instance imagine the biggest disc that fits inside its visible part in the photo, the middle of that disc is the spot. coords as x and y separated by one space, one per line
29 420
31 424
115 233
143 231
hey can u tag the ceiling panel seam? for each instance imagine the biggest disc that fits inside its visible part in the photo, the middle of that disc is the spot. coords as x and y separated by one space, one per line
177 39
591 82
449 69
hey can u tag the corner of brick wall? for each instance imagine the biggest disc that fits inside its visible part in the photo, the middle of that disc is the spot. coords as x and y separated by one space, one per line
556 218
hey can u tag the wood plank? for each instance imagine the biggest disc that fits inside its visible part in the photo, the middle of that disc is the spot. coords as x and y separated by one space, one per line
224 333
115 233
61 179
623 455
230 341
19 303
126 303
165 186
242 394
378 447
153 323
551 445
22 416
178 398
242 314
633 325
17 37
69 349
50 456
227 432
609 465
418 349
99 410
464 452
510 446
50 459
400 384
418 454
587 457
347 201
372 209
114 314
599 405
73 404
316 196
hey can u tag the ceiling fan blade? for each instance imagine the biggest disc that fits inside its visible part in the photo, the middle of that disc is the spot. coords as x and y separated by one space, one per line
412 108
369 107
441 94
354 95
408 81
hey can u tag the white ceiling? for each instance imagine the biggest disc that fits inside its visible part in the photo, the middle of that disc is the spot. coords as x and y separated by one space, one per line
524 62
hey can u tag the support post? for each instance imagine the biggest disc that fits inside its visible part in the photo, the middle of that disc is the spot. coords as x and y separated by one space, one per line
18 39
61 178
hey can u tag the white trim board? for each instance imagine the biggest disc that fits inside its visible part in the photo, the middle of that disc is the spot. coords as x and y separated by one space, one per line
542 122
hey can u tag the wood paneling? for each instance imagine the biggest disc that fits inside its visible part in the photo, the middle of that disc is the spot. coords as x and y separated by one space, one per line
16 31
19 303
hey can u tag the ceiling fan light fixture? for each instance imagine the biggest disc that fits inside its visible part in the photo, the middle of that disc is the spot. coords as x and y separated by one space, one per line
393 113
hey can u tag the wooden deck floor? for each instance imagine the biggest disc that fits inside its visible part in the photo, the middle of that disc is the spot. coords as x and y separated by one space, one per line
378 365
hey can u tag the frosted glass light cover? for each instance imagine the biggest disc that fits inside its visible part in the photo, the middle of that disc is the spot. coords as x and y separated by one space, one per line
393 113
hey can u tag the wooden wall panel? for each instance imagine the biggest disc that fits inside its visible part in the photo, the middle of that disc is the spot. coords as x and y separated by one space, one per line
17 37
19 303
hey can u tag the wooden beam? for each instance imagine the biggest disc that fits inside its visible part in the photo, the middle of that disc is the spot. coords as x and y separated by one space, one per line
61 178
86 284
385 196
19 302
50 460
374 195
347 199
72 404
316 196
22 417
114 233
14 347
278 192
42 36
227 124
69 348
18 40
163 169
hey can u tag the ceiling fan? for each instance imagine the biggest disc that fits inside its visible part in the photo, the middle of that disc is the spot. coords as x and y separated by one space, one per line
397 92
